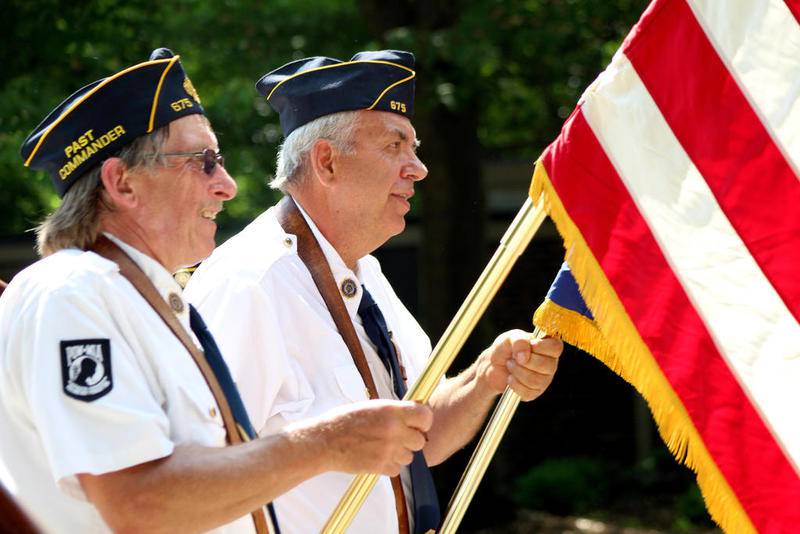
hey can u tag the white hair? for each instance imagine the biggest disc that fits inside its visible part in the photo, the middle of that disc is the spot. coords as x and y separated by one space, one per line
293 154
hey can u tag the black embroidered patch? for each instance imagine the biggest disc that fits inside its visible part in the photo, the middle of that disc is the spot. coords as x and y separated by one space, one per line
86 368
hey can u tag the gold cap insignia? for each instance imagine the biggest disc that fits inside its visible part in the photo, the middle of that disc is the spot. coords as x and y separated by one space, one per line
187 85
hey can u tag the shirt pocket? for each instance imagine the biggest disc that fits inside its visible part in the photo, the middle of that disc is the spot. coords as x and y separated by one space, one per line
195 416
295 397
350 383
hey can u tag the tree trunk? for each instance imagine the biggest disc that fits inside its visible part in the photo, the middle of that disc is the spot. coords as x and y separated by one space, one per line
453 250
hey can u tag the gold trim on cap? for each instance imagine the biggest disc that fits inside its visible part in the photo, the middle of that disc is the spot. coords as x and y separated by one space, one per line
404 80
158 91
343 64
87 95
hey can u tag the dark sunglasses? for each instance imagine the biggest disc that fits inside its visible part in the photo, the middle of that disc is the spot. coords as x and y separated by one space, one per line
210 158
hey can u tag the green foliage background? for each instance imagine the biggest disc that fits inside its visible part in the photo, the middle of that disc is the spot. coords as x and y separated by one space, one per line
517 66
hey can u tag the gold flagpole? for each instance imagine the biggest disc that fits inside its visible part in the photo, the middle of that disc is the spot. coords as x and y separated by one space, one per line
513 243
479 461
481 456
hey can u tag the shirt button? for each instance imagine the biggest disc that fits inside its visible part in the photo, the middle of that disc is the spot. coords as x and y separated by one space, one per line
287 242
212 412
175 302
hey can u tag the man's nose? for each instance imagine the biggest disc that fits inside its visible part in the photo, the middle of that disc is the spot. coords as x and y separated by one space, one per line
223 186
416 170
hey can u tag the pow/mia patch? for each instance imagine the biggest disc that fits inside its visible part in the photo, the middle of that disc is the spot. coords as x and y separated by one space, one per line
86 368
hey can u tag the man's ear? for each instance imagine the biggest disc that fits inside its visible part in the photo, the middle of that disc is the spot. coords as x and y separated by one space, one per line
321 158
116 180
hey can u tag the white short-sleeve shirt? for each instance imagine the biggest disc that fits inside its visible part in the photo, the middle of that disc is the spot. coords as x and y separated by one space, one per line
288 358
92 381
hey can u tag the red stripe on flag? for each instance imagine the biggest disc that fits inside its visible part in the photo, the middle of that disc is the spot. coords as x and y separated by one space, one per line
794 7
705 108
734 434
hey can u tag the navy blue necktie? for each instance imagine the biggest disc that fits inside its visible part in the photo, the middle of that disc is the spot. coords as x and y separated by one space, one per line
226 383
426 502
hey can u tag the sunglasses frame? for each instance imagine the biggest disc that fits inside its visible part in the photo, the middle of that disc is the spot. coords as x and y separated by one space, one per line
211 158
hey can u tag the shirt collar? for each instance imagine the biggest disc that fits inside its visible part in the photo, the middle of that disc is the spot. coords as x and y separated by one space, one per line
163 281
347 280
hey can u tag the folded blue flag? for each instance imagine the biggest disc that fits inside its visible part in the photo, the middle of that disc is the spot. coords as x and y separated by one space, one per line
565 315
564 292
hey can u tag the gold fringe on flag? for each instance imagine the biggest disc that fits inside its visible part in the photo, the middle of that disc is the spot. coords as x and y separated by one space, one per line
619 345
575 329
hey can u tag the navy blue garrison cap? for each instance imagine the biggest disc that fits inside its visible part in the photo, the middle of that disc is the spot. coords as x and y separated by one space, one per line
309 88
99 119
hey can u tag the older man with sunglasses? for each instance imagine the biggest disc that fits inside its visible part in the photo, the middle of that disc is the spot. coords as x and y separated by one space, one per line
115 403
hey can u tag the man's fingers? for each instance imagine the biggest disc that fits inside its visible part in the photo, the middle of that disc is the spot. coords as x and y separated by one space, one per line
526 393
548 346
393 469
516 358
417 415
404 457
545 365
529 378
519 345
411 439
521 349
376 436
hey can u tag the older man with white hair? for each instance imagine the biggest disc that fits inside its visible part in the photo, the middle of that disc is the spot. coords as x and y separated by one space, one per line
305 316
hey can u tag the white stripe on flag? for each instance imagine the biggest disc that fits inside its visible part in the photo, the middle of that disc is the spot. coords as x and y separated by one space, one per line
759 42
750 324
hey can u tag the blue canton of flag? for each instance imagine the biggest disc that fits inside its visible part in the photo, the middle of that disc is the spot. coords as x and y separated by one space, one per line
565 315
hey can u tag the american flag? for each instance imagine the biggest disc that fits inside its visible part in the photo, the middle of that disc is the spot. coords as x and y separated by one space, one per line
674 184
